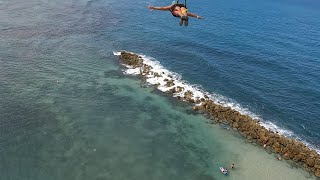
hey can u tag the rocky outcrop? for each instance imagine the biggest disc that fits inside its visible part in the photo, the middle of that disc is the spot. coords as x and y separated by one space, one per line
131 59
250 128
317 173
179 89
170 83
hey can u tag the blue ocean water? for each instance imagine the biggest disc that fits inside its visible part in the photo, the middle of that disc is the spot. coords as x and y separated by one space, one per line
68 112
263 55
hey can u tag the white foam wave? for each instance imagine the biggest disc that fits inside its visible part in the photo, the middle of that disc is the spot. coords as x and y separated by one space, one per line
199 92
134 71
271 126
117 53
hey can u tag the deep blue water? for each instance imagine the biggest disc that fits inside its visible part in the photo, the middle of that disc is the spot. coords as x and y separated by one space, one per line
262 54
66 110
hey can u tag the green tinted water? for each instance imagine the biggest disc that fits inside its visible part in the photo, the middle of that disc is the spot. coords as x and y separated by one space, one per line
112 128
68 112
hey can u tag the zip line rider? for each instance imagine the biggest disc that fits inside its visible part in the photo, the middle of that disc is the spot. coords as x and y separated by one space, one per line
177 10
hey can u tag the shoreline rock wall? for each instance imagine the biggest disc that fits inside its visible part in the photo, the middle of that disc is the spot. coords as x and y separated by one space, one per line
289 149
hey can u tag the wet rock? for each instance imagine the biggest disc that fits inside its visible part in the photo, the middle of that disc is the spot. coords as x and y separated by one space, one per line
170 83
317 172
310 162
188 95
244 124
195 108
145 70
235 125
179 89
264 139
131 59
286 155
297 158
317 163
157 74
171 91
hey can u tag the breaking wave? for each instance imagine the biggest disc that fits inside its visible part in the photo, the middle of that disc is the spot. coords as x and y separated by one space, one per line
199 92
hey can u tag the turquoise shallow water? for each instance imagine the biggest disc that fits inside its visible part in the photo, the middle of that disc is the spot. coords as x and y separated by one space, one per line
68 112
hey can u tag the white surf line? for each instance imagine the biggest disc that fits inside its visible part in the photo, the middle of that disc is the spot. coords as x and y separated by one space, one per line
198 93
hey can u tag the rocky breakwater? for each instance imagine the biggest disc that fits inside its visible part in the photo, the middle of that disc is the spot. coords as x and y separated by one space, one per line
289 149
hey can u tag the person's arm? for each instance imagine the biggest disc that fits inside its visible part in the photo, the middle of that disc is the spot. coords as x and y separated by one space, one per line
195 16
163 8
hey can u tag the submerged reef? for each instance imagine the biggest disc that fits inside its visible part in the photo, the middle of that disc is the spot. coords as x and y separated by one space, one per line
248 127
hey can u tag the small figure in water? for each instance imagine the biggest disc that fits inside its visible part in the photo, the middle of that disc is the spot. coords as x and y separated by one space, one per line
177 10
232 165
225 170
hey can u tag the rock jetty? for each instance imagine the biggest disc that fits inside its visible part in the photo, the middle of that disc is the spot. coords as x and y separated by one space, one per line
287 148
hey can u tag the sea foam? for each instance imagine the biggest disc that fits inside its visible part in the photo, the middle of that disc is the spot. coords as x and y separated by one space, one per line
199 92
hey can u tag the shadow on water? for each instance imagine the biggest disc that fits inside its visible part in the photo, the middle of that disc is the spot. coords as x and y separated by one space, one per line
114 74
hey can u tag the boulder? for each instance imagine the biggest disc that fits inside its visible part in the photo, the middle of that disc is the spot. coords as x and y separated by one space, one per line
179 89
235 125
317 172
195 108
288 155
276 147
248 127
170 83
317 163
188 95
131 59
297 158
264 139
171 91
156 74
310 162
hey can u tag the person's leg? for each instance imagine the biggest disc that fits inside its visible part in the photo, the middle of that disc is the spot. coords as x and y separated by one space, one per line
177 12
184 13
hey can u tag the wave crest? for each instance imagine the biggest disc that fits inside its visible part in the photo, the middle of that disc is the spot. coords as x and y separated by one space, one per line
198 93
